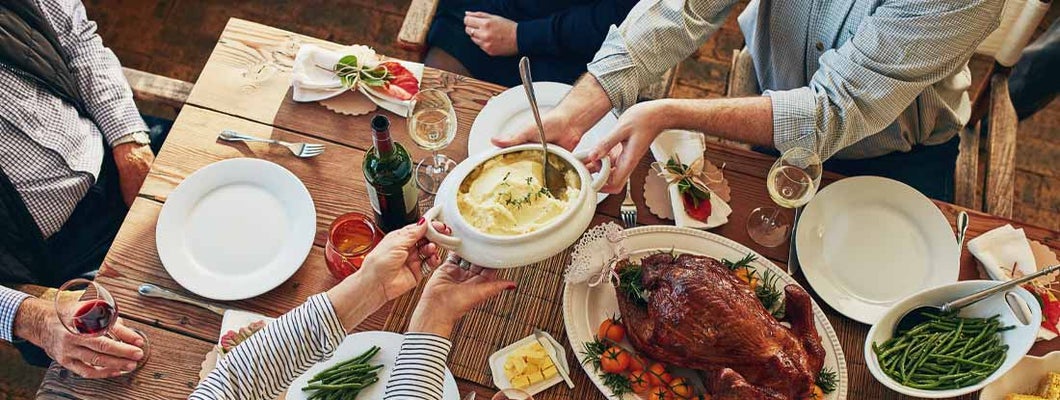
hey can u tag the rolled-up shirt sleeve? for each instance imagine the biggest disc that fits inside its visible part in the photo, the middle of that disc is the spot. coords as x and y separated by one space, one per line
862 87
419 372
656 35
100 79
10 301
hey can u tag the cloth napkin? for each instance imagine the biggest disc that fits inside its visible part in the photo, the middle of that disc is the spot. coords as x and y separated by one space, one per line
1000 248
313 79
689 146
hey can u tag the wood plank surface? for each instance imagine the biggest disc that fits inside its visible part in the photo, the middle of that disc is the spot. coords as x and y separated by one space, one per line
1001 146
245 87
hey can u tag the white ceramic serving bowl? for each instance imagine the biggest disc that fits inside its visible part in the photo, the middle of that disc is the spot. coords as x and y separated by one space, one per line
1019 339
509 251
1022 378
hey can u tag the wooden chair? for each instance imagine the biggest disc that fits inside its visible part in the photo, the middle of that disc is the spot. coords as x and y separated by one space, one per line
417 23
156 90
993 117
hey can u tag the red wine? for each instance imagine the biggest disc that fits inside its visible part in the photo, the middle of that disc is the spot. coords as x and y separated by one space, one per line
388 170
94 316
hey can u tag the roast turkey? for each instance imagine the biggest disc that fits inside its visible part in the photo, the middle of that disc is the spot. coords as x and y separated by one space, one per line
699 315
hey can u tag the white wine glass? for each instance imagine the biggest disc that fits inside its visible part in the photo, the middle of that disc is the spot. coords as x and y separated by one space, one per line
432 126
792 182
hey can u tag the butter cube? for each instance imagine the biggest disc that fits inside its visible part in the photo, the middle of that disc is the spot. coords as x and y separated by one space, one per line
549 371
521 381
536 377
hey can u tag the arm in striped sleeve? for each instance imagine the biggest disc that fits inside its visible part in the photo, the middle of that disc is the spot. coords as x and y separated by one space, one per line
265 364
419 372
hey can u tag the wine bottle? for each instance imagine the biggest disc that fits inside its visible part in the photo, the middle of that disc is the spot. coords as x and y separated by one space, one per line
388 170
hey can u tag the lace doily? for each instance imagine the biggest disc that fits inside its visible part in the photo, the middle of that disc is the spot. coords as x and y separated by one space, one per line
595 254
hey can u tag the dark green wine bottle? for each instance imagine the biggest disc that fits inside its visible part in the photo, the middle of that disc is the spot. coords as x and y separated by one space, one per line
388 171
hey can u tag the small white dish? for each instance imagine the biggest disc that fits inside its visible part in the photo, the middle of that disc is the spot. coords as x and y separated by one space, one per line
356 344
510 110
498 358
236 229
1020 339
1023 378
866 242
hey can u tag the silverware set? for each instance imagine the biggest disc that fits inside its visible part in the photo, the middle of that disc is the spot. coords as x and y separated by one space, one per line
301 150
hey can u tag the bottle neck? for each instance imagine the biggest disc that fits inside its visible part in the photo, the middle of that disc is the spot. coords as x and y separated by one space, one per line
382 142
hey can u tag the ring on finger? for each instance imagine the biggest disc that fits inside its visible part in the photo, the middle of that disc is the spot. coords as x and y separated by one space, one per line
465 264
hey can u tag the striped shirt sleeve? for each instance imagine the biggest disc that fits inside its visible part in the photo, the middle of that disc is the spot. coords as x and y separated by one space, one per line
264 365
419 371
10 300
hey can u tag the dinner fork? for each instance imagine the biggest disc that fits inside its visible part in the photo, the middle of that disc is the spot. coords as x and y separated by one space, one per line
303 150
629 209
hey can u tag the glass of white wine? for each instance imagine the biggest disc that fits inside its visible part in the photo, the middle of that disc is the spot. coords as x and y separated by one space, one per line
792 182
432 125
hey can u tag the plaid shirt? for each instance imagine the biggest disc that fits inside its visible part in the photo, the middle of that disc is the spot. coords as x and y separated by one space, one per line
63 148
10 300
849 78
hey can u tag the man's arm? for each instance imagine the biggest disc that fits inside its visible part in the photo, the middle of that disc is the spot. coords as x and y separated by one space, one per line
10 301
862 87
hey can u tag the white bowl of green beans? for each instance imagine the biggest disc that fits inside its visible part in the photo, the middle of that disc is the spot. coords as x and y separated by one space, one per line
952 355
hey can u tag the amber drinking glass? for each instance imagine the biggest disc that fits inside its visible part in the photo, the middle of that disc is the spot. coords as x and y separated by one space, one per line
350 238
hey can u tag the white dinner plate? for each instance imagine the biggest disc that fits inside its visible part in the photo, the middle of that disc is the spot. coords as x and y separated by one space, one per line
236 229
584 308
866 242
510 111
356 344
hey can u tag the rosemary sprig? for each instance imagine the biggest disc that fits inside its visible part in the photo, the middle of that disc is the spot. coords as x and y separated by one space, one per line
771 297
593 351
630 285
826 380
618 383
744 262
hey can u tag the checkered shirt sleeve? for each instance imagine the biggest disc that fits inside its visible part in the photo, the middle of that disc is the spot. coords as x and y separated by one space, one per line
10 300
99 75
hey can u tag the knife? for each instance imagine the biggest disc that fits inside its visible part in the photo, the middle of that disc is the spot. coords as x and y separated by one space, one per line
793 256
554 355
150 290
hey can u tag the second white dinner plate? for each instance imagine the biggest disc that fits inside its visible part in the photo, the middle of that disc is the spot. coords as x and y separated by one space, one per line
867 242
236 229
510 111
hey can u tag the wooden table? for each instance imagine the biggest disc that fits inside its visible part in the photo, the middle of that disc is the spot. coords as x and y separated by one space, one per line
244 86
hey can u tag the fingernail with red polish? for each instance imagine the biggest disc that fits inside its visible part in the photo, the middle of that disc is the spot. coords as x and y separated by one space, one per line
421 221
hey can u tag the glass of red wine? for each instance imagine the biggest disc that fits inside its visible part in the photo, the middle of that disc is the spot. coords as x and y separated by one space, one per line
87 309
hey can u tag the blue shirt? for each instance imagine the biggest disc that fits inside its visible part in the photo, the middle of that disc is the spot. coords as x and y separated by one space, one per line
847 78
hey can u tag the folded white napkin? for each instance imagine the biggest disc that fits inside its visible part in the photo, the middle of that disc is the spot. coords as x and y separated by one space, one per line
313 78
689 146
1000 248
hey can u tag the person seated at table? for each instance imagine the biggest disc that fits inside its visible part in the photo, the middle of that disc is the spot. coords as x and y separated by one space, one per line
879 88
485 38
73 154
266 363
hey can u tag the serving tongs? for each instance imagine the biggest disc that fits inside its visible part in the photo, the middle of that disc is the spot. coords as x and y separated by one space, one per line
553 177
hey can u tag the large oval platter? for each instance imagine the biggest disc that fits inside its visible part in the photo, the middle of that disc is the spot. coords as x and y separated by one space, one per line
584 308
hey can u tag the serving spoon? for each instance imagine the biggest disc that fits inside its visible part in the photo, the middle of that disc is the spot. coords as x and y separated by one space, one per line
919 315
553 178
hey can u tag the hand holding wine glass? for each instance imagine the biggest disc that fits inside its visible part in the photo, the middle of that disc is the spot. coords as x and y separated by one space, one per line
792 182
88 311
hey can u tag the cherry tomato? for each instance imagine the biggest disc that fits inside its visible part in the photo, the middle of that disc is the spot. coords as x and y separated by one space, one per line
639 382
681 389
614 360
659 393
815 393
637 363
657 375
611 330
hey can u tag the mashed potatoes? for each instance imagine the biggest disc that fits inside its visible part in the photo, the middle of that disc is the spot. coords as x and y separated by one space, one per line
505 196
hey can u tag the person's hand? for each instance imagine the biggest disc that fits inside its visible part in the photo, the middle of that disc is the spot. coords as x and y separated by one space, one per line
558 130
397 263
88 357
494 34
629 142
134 162
451 292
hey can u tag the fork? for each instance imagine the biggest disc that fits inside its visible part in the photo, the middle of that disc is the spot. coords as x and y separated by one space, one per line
629 209
303 150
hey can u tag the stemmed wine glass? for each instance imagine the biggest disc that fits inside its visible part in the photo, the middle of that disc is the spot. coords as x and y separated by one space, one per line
432 125
792 182
85 308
